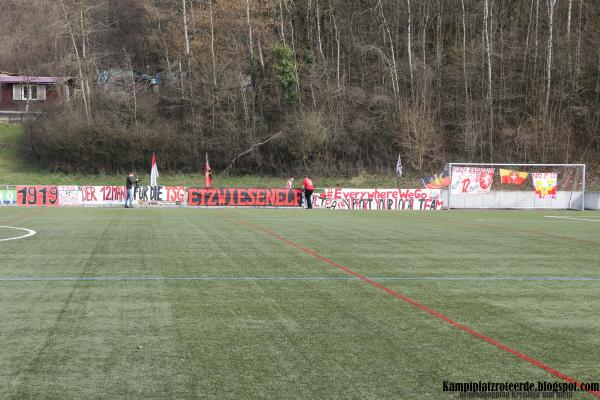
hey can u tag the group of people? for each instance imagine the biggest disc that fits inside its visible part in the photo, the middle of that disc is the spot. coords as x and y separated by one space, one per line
307 188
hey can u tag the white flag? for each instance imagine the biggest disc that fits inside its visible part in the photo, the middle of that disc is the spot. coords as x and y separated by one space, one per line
399 167
153 171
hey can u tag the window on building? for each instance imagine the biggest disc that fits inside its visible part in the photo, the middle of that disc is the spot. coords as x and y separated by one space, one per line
30 92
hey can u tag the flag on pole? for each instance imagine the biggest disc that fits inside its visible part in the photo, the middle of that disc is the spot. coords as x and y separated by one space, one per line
290 183
207 174
153 171
399 167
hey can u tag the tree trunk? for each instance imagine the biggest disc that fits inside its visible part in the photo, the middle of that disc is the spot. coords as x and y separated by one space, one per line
577 51
212 44
337 40
294 51
410 64
185 30
464 51
569 59
394 70
250 44
490 104
319 31
80 66
550 4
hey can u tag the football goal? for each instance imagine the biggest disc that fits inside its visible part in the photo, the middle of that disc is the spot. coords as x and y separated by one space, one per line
516 186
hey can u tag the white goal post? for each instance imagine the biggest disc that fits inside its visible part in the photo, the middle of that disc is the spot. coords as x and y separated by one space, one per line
516 190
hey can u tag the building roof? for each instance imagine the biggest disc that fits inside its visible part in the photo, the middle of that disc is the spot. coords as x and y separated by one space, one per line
40 80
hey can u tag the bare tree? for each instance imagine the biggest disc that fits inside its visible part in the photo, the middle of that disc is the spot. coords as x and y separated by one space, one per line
337 40
409 50
212 43
187 55
80 57
569 60
489 99
185 29
291 15
281 23
550 4
536 43
526 52
319 31
250 44
578 49
132 85
393 67
464 52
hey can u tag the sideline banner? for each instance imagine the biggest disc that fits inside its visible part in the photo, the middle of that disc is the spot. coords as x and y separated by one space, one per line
31 196
116 195
102 195
8 197
379 199
471 180
244 197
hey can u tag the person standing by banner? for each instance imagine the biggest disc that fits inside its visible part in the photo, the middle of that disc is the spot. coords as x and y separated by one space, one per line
307 187
129 183
290 183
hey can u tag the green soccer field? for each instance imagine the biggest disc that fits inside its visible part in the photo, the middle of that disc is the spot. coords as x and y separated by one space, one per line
293 304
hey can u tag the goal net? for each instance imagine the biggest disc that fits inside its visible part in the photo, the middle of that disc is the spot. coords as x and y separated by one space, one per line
516 186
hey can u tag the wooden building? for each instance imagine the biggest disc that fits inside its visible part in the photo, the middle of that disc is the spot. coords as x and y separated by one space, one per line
24 97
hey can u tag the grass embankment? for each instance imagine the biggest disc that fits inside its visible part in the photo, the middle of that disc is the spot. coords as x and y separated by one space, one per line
14 170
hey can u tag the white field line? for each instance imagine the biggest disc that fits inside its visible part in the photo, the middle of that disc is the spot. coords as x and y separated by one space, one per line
29 233
289 278
572 218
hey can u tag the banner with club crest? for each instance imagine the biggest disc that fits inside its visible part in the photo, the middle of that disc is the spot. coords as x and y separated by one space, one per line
471 180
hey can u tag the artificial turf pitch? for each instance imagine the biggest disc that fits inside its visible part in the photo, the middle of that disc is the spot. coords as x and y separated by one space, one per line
272 304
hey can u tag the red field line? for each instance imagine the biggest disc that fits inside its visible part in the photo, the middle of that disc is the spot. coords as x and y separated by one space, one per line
431 311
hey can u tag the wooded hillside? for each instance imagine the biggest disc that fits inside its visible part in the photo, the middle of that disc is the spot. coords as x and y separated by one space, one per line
328 86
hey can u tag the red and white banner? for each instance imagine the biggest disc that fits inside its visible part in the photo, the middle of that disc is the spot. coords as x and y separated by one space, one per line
115 195
471 180
154 172
379 199
545 184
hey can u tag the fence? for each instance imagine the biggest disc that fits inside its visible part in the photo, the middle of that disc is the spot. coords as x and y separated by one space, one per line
114 196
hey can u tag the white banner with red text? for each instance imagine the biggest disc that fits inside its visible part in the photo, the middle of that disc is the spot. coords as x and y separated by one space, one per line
379 199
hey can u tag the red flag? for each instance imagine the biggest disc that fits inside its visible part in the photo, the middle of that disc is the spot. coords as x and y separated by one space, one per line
207 174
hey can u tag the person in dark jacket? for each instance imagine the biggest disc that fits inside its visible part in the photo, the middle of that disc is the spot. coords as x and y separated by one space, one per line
129 184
